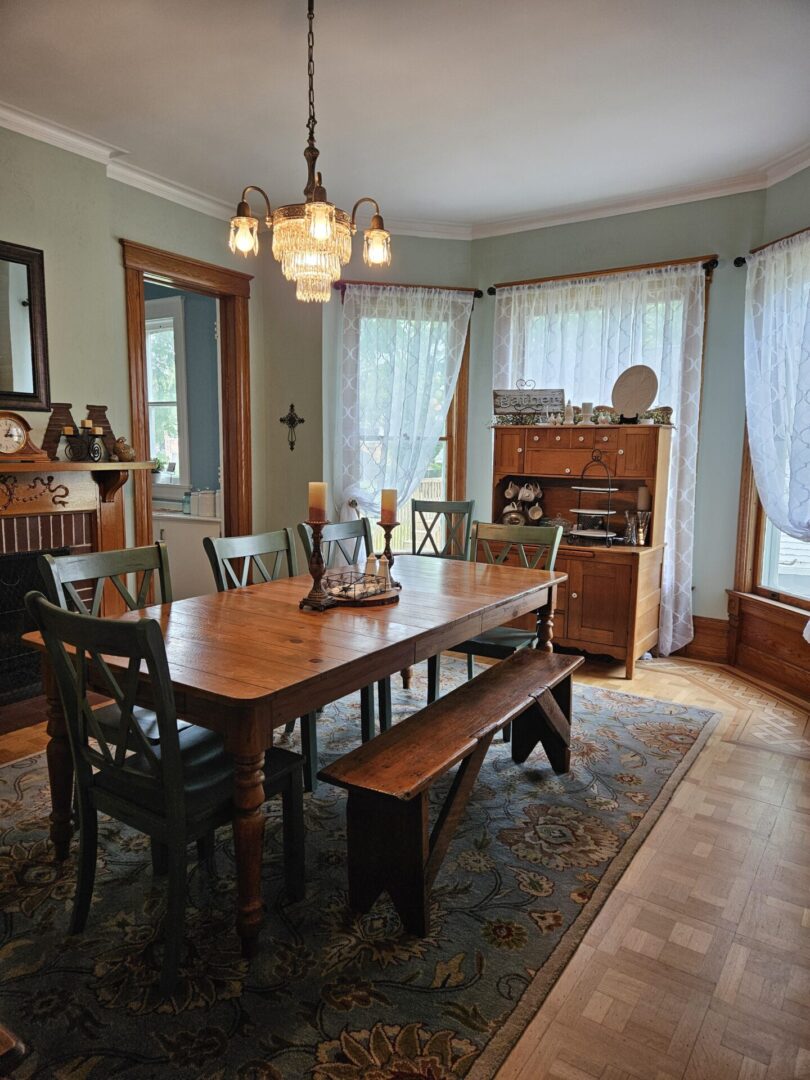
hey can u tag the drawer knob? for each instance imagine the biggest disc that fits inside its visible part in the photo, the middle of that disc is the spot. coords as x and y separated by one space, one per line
556 438
535 438
574 595
604 438
568 470
582 438
621 451
520 450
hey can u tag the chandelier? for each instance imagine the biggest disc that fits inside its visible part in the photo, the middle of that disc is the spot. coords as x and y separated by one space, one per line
312 240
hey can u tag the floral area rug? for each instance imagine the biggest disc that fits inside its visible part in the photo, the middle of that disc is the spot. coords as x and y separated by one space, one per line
333 995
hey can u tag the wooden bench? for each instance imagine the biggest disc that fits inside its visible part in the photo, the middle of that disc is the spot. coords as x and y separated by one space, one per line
388 779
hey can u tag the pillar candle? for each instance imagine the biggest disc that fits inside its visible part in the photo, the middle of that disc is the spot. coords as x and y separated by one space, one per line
388 505
643 498
317 501
97 430
68 429
85 424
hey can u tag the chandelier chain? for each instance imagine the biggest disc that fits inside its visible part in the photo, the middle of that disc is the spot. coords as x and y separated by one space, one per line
311 122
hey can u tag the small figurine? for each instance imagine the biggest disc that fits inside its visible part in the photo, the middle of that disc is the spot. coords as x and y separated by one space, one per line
122 450
569 412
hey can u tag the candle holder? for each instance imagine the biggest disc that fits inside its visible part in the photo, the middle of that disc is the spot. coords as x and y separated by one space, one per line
317 599
388 527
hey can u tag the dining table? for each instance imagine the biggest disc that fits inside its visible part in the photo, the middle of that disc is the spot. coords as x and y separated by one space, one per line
247 661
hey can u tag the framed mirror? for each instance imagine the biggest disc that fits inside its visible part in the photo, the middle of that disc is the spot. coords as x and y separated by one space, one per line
23 330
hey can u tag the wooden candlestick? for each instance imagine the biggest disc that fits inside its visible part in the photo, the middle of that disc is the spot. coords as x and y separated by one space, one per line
317 599
388 527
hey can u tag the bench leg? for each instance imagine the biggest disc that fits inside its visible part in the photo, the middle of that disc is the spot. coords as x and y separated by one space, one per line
547 722
434 690
387 852
367 713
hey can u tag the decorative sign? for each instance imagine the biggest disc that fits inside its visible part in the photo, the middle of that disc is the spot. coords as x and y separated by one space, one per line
526 400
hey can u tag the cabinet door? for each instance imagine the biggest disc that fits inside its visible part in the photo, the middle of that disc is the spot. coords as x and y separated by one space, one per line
509 450
637 446
598 601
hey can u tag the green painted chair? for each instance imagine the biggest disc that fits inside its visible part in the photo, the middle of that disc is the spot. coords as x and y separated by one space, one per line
176 790
531 546
238 561
430 516
68 577
351 541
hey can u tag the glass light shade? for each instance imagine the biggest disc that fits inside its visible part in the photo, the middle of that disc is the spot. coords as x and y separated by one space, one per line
314 286
377 247
244 236
312 263
320 219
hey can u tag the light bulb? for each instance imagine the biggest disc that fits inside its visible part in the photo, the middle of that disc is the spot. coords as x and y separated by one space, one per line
244 236
320 220
377 247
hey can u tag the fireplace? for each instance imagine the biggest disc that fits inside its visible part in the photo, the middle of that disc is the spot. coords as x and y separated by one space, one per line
19 665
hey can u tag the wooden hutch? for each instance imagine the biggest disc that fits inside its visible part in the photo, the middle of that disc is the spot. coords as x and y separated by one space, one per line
610 603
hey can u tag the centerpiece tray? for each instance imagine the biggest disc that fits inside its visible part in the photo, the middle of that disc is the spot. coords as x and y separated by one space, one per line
352 588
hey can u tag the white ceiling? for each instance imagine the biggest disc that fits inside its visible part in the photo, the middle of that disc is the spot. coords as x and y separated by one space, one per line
473 115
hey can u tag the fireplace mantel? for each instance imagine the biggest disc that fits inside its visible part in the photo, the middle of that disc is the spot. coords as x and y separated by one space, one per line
75 504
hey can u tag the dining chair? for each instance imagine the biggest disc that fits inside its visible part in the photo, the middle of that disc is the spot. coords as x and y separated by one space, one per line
238 561
455 518
351 541
531 546
431 517
177 790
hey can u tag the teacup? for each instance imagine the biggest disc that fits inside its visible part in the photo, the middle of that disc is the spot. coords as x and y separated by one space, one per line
527 493
511 490
535 512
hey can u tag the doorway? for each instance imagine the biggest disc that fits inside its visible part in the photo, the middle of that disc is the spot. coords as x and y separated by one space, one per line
148 271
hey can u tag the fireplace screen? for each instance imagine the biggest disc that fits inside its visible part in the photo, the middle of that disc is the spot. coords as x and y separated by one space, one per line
19 666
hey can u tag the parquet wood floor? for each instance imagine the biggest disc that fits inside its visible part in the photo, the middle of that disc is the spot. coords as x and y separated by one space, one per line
698 966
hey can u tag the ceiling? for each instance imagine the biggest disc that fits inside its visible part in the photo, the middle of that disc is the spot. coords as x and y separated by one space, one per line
467 117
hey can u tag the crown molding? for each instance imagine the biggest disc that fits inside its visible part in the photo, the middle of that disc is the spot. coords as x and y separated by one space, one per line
37 127
109 155
168 189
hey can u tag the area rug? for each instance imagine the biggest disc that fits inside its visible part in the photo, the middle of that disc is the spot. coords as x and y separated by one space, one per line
332 995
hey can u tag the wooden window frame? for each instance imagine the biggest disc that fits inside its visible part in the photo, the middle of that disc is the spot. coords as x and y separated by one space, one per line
750 540
455 432
232 289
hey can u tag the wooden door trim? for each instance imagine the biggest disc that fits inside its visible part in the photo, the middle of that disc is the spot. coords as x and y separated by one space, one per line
232 289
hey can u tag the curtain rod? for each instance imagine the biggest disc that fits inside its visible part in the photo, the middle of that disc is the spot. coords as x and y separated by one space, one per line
341 286
709 262
741 259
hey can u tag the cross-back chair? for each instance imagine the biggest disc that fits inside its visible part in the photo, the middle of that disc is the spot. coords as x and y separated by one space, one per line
264 557
239 560
533 547
351 541
66 574
176 790
455 518
431 517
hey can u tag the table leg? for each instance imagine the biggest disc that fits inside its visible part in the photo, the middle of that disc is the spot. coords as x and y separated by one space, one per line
545 622
60 765
248 839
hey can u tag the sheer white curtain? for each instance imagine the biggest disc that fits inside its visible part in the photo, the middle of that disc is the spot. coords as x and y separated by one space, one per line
400 353
777 381
580 335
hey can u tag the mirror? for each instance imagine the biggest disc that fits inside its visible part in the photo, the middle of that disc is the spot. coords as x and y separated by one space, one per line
23 333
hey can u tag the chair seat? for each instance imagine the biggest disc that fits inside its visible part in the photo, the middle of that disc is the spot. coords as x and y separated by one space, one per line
504 639
108 717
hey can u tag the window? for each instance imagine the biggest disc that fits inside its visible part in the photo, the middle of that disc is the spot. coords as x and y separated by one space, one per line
166 390
785 566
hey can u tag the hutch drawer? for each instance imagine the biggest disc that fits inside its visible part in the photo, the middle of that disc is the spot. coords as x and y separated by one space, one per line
568 463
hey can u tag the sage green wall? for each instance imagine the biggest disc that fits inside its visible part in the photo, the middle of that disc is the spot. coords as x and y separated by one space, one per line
66 205
728 226
787 207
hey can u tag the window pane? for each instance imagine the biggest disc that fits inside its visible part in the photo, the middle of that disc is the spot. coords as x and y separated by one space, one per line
785 563
163 435
433 486
160 363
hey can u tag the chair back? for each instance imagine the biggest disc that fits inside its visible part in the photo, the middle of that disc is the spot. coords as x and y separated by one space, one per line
66 575
123 751
349 540
454 518
534 546
243 560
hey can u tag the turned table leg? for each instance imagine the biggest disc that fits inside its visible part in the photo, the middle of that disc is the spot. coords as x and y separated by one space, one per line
60 765
545 622
248 839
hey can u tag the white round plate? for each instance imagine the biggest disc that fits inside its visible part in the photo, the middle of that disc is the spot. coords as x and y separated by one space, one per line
635 389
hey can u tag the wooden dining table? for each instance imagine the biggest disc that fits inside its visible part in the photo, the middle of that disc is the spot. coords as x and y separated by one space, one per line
248 661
